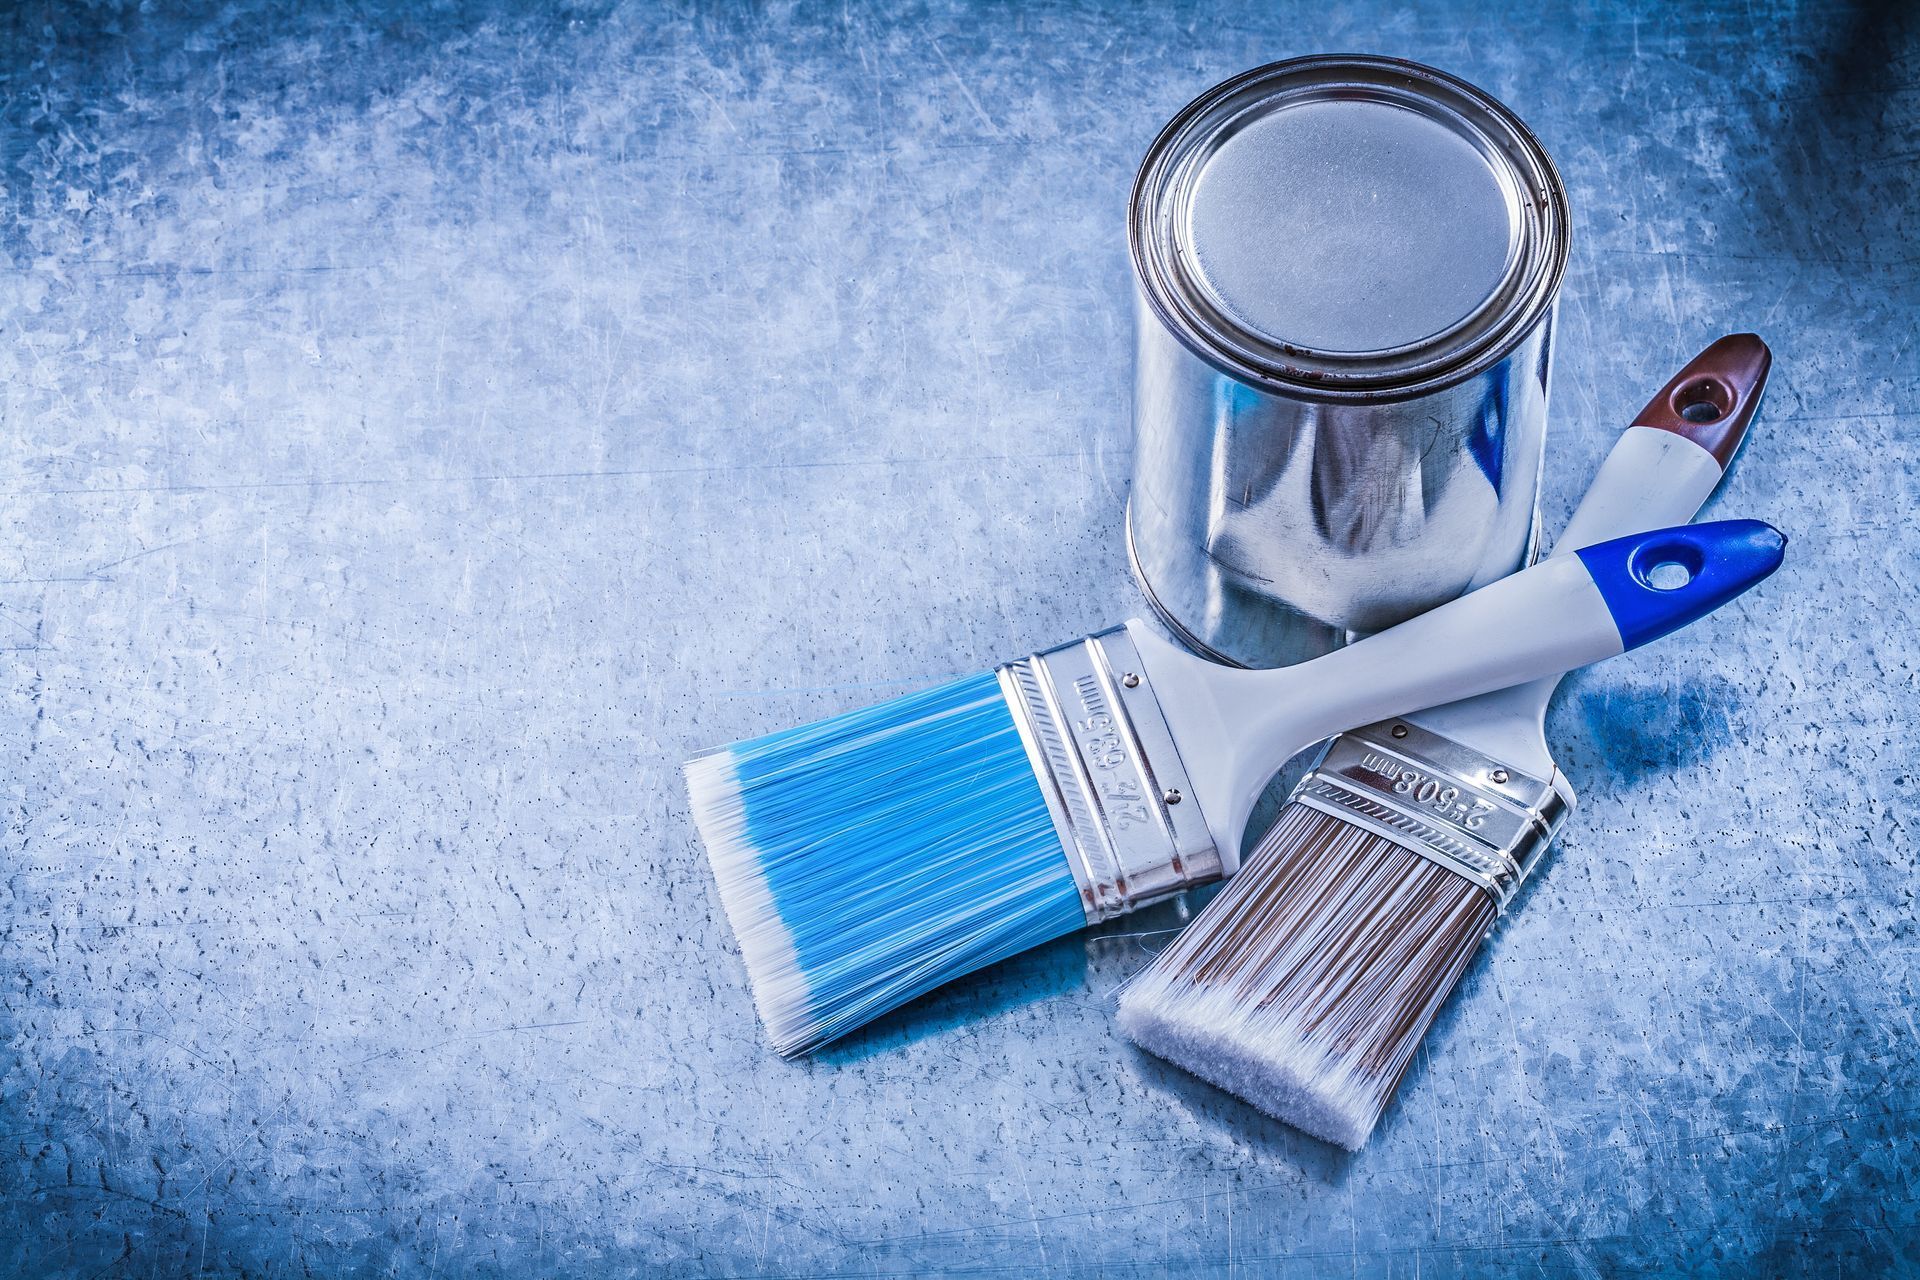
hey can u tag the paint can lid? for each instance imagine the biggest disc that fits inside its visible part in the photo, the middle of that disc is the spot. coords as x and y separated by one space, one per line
1349 225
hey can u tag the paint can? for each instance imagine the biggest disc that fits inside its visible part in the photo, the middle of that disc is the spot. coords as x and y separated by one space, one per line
1346 270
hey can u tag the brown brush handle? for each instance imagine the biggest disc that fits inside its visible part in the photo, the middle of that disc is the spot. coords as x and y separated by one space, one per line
1712 400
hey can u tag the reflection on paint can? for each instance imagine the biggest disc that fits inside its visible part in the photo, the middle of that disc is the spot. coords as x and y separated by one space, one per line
1346 271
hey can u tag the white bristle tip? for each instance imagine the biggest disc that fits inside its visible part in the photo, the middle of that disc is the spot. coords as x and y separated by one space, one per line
1208 1035
780 992
1306 984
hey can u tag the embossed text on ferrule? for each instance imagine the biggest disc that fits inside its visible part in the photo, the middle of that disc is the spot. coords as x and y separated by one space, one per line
1443 797
1122 792
1461 809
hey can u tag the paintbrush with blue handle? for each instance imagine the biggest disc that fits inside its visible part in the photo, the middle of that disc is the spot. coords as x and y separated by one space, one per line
1306 986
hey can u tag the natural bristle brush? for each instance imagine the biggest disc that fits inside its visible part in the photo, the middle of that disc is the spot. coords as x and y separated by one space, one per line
1306 985
872 856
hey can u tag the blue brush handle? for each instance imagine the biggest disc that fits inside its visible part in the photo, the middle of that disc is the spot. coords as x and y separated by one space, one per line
1234 728
1720 560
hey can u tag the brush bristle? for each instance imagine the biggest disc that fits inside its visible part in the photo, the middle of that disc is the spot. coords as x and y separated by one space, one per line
1306 985
870 857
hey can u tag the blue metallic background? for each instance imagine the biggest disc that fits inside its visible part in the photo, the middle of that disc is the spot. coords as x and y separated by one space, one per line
425 425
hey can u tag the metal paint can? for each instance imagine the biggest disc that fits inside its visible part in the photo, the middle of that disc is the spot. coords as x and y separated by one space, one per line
1346 270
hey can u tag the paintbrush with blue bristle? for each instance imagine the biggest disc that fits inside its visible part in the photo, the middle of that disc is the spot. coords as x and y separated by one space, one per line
870 857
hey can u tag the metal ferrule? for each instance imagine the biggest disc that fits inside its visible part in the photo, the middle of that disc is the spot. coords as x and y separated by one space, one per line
1466 811
1113 780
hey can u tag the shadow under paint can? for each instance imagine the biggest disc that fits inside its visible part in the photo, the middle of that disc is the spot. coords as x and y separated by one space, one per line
1346 270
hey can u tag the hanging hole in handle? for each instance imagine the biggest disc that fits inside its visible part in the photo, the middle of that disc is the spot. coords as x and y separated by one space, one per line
1702 400
1667 566
1668 575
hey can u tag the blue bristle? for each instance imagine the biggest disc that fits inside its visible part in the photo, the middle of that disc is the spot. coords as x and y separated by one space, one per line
866 859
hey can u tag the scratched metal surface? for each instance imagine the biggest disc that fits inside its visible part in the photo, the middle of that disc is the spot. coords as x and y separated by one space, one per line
423 427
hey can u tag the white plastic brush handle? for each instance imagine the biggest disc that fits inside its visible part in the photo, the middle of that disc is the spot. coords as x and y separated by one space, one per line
1235 728
1660 472
1652 478
1663 470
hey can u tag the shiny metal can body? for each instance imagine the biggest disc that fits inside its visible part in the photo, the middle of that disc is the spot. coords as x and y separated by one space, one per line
1346 270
